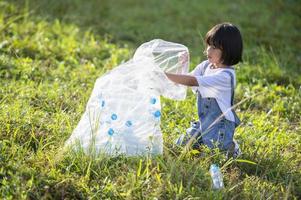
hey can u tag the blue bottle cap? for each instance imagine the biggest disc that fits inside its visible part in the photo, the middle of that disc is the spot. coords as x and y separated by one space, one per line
153 100
157 114
114 116
128 123
110 131
214 167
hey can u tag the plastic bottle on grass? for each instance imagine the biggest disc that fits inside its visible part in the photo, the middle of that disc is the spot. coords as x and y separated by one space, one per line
217 177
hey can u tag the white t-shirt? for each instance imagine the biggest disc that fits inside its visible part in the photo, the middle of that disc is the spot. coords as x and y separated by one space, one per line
216 84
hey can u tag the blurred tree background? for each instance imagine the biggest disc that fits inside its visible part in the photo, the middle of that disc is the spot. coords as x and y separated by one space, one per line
273 25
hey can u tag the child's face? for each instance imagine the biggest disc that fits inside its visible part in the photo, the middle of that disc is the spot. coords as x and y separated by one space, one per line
214 55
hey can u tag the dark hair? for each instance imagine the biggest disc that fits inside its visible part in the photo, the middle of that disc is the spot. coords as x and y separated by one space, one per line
226 37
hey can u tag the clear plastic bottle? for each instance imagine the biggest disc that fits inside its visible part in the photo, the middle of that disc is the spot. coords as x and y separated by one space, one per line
217 177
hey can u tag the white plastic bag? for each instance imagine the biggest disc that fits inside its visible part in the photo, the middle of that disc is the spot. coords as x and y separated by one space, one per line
123 112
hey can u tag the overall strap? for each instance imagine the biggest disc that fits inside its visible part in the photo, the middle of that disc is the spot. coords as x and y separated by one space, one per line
236 118
232 86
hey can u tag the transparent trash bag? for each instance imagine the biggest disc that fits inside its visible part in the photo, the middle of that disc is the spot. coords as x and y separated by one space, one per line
123 113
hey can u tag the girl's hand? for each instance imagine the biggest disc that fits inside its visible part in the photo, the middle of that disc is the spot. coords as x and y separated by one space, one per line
183 58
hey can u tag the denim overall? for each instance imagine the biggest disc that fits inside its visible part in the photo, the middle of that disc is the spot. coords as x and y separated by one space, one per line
212 129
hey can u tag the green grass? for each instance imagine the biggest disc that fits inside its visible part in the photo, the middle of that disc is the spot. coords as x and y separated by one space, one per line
51 53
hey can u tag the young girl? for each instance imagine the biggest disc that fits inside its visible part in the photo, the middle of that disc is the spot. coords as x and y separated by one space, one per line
215 82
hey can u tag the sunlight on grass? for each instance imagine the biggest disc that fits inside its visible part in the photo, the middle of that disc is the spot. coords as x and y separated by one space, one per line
51 56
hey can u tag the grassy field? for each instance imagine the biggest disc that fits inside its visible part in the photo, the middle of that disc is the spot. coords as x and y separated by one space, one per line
51 53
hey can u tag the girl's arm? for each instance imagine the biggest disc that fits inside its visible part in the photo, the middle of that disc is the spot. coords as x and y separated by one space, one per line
183 79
